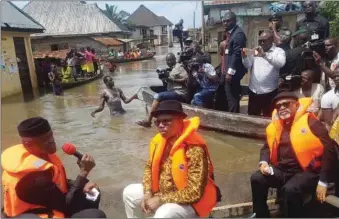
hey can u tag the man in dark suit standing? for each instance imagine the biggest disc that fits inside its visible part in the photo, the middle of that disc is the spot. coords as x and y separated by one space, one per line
233 70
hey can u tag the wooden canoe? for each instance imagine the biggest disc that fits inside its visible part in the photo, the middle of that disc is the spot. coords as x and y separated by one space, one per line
234 123
80 82
130 60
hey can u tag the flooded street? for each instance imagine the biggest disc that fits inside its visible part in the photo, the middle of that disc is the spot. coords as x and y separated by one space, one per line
119 146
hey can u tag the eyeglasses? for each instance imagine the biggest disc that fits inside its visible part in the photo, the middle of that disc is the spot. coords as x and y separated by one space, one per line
284 104
165 122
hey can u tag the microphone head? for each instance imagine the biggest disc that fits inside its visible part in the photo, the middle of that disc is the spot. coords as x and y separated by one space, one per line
69 148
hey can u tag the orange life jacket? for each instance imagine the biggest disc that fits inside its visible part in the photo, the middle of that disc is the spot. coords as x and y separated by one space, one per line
307 147
179 165
17 162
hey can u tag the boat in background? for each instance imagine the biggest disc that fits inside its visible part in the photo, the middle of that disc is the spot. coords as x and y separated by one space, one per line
233 123
113 60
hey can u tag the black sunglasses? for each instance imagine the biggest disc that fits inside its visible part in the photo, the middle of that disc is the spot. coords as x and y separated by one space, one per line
284 104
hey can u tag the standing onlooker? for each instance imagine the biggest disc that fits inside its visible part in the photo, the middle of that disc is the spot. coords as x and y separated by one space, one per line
313 21
329 102
180 28
332 54
55 79
310 89
282 35
71 61
82 59
95 62
234 69
89 62
265 66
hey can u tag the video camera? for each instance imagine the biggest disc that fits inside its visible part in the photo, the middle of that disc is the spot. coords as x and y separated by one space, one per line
290 82
163 73
185 56
315 44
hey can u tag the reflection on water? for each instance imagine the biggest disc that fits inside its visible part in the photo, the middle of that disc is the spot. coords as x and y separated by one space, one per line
118 144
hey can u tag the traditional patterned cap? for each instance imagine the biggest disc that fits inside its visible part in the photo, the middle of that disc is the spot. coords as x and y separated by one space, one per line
33 127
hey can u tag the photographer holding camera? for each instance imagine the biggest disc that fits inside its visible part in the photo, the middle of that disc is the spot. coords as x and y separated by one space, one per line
205 75
175 78
330 66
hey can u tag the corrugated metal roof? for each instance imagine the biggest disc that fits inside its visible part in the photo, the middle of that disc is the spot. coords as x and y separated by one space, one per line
125 40
108 41
145 17
60 54
225 2
13 17
71 17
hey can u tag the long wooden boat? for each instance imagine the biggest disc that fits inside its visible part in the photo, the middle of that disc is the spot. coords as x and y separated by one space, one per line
234 123
80 82
130 60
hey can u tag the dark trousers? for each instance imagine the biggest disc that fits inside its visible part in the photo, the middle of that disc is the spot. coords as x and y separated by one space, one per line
292 189
82 208
181 43
233 94
261 103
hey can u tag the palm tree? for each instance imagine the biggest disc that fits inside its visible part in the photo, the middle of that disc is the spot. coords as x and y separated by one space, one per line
112 12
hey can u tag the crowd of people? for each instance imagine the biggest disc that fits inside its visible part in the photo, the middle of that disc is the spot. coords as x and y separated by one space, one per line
77 64
134 53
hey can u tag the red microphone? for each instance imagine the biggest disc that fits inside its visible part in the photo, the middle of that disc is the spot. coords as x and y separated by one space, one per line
70 149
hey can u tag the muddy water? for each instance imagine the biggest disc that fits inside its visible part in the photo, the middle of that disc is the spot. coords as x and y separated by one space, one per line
119 146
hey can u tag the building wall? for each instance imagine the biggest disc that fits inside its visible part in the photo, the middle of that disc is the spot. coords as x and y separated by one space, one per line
10 80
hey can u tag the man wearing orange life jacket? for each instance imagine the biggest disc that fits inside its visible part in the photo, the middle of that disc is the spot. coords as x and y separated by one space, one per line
34 180
178 177
292 157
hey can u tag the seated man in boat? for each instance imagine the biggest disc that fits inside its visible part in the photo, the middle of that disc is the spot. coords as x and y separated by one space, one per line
310 89
176 87
292 159
178 177
206 76
112 96
34 179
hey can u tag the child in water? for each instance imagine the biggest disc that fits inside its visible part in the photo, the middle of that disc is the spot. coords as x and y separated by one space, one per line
112 96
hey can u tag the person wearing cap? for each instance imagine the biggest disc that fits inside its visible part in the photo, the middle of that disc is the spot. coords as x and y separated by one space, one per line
291 159
282 35
314 22
207 78
178 179
34 179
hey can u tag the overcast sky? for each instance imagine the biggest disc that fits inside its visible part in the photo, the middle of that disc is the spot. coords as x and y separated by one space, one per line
172 10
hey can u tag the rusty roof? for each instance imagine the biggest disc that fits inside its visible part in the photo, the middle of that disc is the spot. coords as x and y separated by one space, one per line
60 54
225 2
108 41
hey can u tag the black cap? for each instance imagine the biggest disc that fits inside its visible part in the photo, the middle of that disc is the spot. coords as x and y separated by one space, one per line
275 17
172 107
33 127
285 94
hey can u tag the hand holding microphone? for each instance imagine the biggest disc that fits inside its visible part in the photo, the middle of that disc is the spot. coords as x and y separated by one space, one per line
85 162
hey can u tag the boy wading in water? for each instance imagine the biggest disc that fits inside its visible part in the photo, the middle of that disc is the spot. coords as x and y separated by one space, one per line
112 96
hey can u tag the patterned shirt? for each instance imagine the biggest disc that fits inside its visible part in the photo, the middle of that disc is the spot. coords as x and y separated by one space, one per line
202 79
196 181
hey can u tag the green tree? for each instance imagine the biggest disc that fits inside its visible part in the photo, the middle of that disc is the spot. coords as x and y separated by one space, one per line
330 10
112 12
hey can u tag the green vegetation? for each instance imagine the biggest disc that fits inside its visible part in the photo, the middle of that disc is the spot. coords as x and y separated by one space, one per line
115 15
330 10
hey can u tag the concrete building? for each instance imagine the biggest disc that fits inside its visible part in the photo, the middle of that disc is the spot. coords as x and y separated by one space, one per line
149 27
73 24
16 61
252 17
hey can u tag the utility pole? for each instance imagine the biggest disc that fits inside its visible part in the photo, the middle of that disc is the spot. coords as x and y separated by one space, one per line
202 26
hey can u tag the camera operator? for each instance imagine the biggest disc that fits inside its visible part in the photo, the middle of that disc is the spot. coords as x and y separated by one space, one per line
314 22
294 61
332 56
176 86
205 75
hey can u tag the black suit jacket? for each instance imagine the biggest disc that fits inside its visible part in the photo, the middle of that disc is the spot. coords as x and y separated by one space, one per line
233 60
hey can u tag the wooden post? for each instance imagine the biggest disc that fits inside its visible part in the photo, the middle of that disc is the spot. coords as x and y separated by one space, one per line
202 26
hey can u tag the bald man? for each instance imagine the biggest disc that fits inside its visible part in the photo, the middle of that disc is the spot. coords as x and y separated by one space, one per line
264 75
313 21
234 70
176 87
332 56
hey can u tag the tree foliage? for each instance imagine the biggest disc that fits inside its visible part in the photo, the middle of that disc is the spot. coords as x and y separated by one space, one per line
330 10
112 12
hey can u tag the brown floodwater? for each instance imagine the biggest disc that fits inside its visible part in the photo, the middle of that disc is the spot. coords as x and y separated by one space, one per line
119 146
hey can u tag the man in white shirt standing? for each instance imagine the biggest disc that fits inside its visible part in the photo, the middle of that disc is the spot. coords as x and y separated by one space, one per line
264 74
329 102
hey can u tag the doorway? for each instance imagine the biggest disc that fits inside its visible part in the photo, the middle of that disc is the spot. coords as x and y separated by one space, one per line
25 77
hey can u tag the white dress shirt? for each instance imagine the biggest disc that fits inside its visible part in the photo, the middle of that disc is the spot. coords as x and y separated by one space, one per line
264 71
